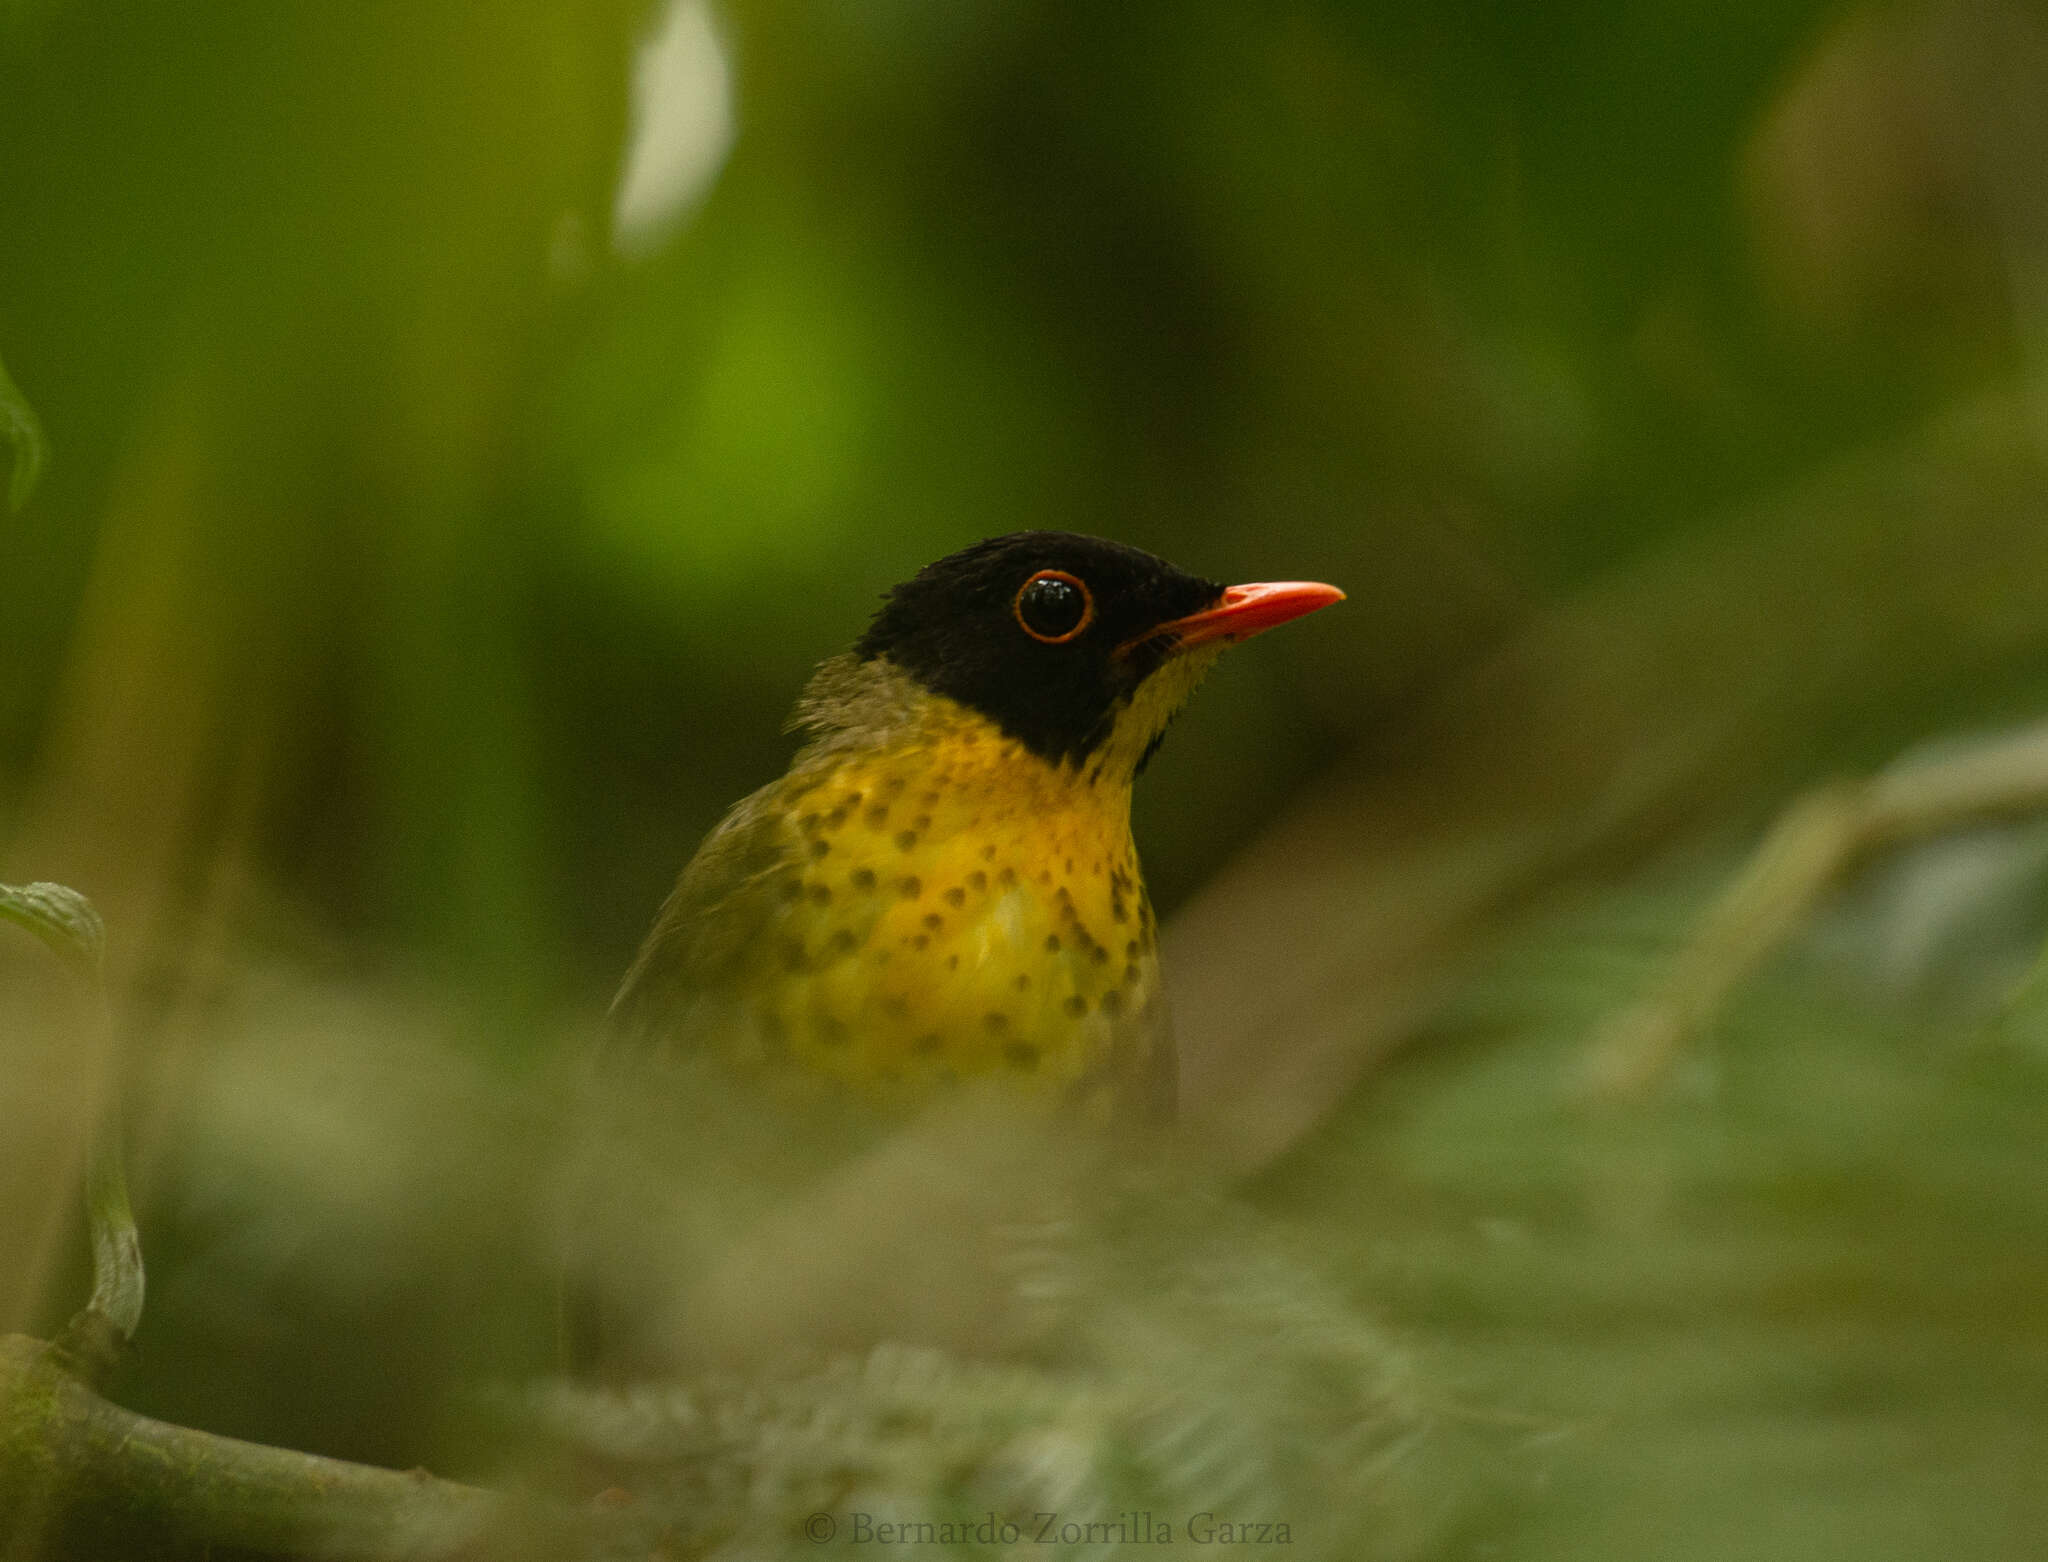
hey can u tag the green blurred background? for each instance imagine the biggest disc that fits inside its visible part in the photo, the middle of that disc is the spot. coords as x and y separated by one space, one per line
465 568
457 463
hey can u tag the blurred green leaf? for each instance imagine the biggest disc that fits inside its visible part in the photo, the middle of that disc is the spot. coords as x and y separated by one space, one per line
1795 1300
24 431
61 917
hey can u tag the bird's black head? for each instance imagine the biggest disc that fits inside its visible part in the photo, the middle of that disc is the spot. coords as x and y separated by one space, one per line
1048 634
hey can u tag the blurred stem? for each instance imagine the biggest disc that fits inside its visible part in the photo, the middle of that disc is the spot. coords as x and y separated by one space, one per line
84 1477
93 1340
96 1335
1815 842
22 429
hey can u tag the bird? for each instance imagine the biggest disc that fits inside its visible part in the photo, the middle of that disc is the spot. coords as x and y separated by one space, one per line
936 912
944 887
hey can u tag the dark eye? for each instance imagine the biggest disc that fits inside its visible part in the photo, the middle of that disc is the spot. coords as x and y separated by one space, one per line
1054 606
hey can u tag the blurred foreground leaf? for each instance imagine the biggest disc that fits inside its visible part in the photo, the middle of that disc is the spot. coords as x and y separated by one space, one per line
1792 1307
22 429
61 917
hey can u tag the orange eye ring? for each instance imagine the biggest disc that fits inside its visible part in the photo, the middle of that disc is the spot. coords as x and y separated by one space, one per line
1060 577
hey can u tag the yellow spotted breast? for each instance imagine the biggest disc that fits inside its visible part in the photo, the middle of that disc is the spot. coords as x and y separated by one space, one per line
921 902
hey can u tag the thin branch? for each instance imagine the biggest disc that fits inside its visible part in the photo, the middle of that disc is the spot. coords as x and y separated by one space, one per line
81 1476
1810 849
69 926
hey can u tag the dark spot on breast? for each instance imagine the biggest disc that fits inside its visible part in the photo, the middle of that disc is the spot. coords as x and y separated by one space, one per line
956 896
1112 1002
1131 949
844 940
988 852
934 921
1079 929
1116 909
952 962
1020 1055
894 785
830 1031
835 818
1070 867
896 1006
930 798
863 879
794 958
927 1044
978 881
792 889
1098 954
910 887
905 839
809 823
821 848
1023 981
1052 943
921 941
995 1022
1076 1006
878 815
921 822
1132 975
821 895
1007 878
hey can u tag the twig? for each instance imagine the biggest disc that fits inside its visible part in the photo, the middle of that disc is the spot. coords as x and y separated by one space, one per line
82 1476
1813 845
67 924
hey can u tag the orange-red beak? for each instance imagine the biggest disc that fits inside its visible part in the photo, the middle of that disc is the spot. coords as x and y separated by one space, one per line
1246 611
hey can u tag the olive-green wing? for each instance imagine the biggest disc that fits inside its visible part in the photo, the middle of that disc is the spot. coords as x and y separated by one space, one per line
716 927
